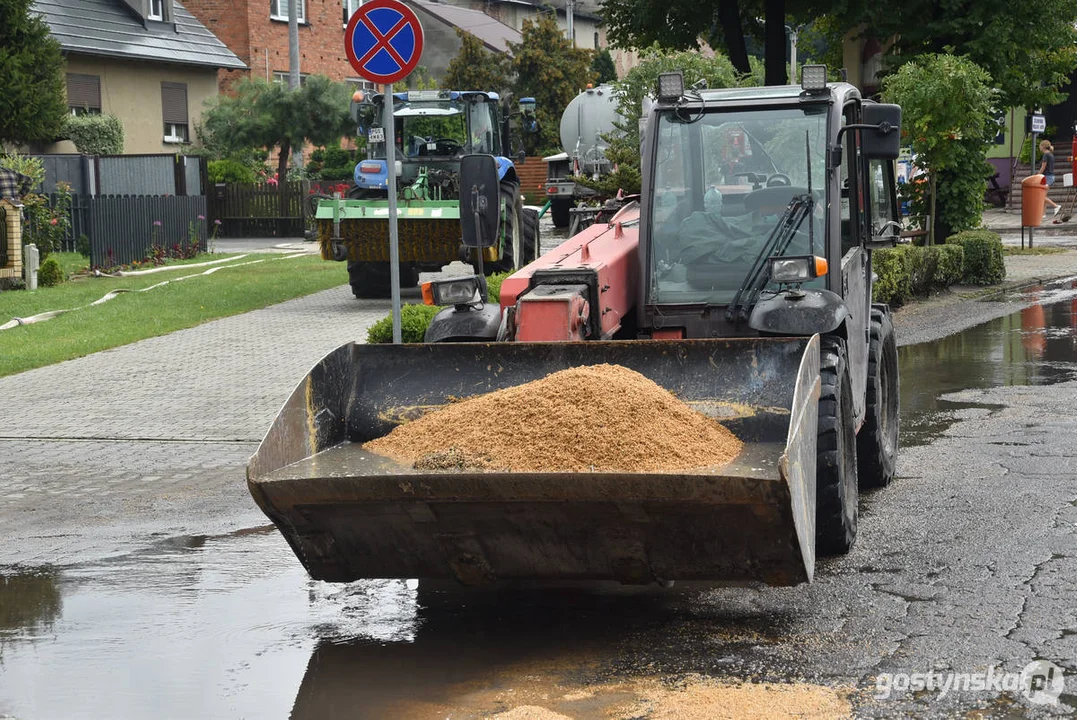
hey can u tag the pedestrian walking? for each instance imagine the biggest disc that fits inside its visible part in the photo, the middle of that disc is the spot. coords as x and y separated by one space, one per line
1047 169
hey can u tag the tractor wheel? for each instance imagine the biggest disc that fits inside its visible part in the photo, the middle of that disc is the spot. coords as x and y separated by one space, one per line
559 212
531 240
877 442
511 226
370 280
835 472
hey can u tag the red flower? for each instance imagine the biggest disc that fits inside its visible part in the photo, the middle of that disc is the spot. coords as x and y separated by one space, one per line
53 221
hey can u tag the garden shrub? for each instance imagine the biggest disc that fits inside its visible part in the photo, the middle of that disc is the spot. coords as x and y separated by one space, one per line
951 261
230 171
894 271
414 319
50 274
95 134
983 262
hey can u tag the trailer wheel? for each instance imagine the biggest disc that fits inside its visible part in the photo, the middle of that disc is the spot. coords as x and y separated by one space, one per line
877 442
370 280
559 212
835 473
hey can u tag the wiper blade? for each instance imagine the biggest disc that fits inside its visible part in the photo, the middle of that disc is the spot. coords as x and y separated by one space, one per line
799 208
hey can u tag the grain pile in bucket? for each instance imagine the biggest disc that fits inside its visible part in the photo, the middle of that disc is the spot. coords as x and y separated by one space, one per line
603 418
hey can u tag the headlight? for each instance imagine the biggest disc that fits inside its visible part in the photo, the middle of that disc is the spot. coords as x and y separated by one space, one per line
456 291
813 78
670 87
799 269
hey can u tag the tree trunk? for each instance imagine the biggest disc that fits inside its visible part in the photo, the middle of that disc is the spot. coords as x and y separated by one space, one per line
774 42
729 18
282 161
934 218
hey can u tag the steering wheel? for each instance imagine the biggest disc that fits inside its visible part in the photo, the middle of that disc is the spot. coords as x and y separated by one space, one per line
779 180
453 145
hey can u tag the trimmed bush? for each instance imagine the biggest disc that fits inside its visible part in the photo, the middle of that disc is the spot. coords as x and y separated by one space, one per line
951 260
95 134
910 270
414 319
893 266
983 263
230 171
50 274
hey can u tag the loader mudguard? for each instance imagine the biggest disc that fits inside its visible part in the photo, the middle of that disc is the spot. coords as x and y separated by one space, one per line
506 170
473 324
800 312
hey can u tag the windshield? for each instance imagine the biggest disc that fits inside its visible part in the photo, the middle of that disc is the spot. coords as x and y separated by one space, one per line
430 129
722 182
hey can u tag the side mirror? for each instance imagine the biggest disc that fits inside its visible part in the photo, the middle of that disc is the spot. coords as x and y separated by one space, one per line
883 142
363 113
480 198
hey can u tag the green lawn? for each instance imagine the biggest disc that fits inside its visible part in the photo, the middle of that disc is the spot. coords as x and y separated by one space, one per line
133 316
1039 250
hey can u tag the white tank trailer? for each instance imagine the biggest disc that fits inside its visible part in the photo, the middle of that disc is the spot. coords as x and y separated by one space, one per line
589 116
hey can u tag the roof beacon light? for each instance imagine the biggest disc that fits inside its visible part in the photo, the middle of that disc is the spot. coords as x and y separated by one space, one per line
670 87
813 78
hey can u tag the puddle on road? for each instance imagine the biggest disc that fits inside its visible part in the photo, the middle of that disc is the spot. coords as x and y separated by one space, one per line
232 627
1034 346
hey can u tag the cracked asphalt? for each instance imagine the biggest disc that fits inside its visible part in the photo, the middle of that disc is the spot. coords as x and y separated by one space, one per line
130 546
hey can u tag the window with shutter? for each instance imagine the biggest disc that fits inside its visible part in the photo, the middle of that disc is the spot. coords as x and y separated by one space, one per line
84 94
174 111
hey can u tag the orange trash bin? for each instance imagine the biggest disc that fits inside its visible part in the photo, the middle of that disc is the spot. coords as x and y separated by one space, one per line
1033 200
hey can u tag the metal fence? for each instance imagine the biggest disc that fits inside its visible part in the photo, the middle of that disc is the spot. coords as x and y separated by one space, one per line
125 228
126 174
260 210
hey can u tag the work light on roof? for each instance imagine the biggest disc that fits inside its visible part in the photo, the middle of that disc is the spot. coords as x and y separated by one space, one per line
813 78
670 86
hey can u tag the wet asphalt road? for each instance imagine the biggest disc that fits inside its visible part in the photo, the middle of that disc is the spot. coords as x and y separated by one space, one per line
143 582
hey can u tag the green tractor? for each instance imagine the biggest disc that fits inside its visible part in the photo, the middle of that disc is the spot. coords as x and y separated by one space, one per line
433 130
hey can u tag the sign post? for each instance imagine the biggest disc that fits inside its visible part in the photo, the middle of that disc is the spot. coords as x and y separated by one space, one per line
383 42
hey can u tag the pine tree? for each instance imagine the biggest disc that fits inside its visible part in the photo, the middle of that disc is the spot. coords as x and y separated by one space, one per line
603 66
33 102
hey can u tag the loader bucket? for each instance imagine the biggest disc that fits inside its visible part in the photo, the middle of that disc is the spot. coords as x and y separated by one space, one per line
427 230
349 513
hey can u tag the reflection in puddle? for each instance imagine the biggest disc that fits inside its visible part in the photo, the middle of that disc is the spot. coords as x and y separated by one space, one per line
1035 346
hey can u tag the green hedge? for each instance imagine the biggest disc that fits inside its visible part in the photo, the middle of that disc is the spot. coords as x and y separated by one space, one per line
230 170
95 134
909 271
983 262
414 319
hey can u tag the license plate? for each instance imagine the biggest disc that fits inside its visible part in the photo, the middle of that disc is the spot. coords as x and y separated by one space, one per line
377 135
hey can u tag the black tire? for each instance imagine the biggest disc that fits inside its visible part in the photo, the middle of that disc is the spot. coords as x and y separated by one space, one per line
877 442
370 280
559 212
511 225
531 240
836 493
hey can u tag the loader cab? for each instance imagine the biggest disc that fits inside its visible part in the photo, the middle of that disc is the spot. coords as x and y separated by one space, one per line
722 171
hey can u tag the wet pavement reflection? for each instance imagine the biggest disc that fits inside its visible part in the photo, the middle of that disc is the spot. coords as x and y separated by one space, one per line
231 626
1035 346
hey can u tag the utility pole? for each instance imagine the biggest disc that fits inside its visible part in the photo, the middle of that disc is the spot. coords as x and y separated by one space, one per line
570 15
792 53
293 65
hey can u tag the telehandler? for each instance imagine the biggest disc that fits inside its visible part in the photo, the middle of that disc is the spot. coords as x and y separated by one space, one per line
740 281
